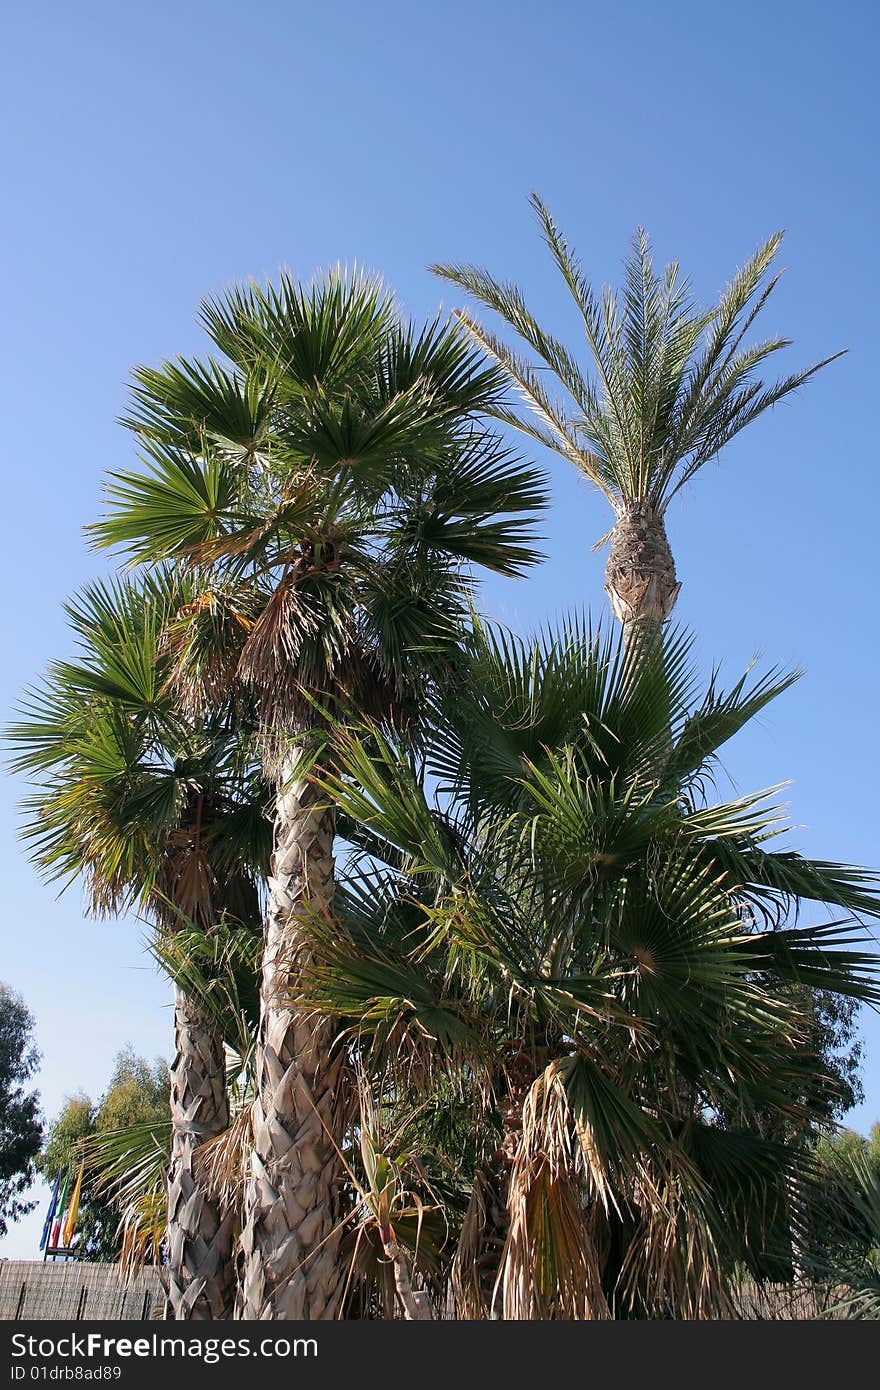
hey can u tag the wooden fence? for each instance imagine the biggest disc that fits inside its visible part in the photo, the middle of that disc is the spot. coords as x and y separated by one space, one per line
72 1291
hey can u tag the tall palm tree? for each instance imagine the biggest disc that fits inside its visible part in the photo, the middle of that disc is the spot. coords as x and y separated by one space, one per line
330 483
128 1165
165 815
595 958
668 385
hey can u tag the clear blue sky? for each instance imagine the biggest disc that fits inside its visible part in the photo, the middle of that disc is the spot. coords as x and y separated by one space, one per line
153 154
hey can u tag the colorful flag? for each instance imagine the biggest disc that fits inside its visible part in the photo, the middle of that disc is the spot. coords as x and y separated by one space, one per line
50 1214
62 1202
73 1209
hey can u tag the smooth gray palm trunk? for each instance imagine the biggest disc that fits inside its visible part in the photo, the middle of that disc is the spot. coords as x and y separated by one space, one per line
290 1241
416 1304
199 1275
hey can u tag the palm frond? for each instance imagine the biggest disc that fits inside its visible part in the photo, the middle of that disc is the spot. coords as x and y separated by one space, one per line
670 383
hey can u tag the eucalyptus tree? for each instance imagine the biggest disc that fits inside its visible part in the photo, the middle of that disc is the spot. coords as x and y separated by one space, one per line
166 815
668 384
21 1126
328 479
593 957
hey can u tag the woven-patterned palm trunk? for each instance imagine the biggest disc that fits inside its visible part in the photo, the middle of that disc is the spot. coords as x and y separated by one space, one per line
290 1242
199 1277
640 574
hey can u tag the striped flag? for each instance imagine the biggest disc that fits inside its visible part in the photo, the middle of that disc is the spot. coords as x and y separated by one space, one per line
73 1209
59 1210
50 1214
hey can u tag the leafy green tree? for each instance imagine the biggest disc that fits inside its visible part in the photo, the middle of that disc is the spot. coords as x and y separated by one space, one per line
328 480
668 384
848 1144
137 1095
834 1038
21 1129
559 922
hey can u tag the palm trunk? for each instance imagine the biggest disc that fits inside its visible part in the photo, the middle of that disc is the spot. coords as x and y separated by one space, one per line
199 1276
640 574
642 588
290 1241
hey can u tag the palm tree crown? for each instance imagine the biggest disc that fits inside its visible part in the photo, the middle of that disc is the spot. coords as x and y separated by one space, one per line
329 480
155 811
671 384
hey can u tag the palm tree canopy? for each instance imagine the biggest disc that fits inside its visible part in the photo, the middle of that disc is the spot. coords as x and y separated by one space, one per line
154 810
552 820
330 481
558 911
670 382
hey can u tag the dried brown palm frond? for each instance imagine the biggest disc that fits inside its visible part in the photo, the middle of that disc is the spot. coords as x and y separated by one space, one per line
552 1262
673 1266
187 887
221 1163
275 641
203 644
196 885
466 1283
307 660
568 1208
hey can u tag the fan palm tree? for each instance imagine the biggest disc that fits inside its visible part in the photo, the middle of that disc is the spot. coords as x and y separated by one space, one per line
218 972
330 483
165 815
669 385
597 959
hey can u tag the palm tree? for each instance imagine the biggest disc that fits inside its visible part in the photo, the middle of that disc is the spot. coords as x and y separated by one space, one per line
596 959
218 972
330 483
161 814
670 385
